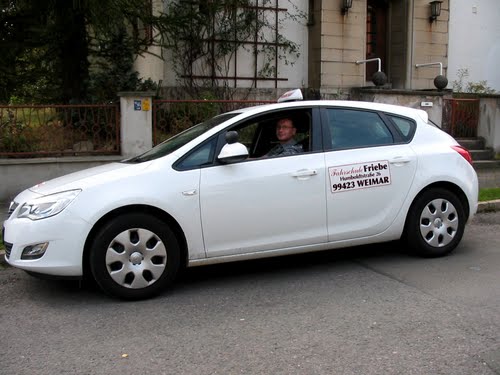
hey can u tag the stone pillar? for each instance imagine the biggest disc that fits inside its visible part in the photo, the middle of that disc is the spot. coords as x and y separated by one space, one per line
136 122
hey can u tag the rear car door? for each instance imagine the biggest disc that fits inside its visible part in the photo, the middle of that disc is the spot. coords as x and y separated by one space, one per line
370 169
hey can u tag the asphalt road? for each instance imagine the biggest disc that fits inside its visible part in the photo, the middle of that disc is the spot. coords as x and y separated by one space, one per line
369 310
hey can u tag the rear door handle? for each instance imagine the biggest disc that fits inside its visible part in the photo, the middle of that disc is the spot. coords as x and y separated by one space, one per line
400 160
305 173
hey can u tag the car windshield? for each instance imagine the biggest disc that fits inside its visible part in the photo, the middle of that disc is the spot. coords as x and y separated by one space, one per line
177 141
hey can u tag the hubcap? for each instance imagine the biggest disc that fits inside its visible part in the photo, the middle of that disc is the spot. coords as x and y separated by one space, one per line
136 258
438 222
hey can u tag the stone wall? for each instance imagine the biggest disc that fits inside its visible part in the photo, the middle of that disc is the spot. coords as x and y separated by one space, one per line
342 43
20 174
430 44
429 101
489 121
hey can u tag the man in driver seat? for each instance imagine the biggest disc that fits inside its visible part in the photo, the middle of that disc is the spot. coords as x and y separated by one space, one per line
285 132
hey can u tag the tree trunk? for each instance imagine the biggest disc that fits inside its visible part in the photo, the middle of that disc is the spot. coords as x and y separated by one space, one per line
73 51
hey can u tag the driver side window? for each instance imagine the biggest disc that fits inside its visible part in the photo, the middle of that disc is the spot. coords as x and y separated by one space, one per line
259 135
263 135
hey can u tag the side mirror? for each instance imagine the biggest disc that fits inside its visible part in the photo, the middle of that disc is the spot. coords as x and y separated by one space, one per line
233 151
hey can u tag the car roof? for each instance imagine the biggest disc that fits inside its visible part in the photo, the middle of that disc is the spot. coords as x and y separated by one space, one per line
391 108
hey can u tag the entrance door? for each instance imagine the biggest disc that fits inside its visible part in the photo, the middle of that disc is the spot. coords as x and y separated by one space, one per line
376 35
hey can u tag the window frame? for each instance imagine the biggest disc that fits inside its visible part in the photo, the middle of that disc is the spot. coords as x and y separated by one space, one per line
315 135
413 126
397 136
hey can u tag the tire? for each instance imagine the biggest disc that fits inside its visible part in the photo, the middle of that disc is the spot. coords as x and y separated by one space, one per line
134 256
435 223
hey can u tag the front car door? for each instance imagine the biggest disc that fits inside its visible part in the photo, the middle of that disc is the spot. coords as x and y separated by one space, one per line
266 203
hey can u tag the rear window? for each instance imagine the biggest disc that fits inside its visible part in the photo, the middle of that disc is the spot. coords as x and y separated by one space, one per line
350 128
404 125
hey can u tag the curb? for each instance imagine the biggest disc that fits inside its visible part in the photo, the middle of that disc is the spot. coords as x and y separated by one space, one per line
490 206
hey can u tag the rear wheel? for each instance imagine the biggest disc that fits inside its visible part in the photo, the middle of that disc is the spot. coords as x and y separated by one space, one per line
134 256
435 223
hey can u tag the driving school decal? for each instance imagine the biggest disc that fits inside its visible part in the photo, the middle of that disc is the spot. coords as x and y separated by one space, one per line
359 176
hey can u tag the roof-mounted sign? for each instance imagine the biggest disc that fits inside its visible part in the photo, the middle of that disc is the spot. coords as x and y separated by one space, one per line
291 96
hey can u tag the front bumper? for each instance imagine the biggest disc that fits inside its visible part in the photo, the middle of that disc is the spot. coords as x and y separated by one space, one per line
65 234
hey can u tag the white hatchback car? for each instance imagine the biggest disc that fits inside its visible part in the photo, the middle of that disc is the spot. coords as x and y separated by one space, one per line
239 187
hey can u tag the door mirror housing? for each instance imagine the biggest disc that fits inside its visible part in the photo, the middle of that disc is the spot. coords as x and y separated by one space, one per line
233 151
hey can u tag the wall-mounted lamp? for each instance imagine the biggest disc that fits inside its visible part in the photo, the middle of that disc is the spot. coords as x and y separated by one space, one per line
435 10
346 5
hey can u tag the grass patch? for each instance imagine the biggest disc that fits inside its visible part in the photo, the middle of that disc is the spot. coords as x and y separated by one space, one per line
1 242
489 194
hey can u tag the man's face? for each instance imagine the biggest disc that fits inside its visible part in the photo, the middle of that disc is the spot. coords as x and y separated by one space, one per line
285 130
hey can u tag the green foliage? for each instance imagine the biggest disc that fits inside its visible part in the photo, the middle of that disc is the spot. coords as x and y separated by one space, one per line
205 36
112 70
480 87
74 51
14 134
56 130
37 82
173 118
489 194
48 47
461 86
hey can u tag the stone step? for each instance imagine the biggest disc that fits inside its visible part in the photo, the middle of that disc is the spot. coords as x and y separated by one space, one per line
484 154
486 164
472 143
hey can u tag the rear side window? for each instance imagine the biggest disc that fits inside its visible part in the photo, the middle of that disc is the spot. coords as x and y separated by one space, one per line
404 125
354 128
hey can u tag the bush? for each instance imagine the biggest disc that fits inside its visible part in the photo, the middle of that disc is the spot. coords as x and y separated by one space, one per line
459 86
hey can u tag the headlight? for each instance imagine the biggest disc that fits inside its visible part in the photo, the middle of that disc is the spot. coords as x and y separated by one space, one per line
49 205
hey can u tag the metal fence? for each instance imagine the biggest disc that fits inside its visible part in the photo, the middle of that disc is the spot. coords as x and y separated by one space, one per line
461 117
59 130
173 116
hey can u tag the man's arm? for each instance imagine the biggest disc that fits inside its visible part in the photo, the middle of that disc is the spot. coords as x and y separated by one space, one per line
292 149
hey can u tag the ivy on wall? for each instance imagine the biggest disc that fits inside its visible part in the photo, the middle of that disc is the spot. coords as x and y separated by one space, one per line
207 40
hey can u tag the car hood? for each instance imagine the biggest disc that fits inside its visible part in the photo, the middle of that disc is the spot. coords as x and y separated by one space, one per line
86 178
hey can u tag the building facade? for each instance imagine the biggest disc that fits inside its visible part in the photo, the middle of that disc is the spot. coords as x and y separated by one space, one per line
399 37
398 32
475 41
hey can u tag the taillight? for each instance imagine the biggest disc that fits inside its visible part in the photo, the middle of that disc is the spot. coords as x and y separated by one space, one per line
464 152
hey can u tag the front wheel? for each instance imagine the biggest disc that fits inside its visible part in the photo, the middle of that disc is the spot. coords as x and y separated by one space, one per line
134 256
435 223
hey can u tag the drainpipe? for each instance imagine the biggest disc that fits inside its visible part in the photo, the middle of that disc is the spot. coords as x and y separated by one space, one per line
410 44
